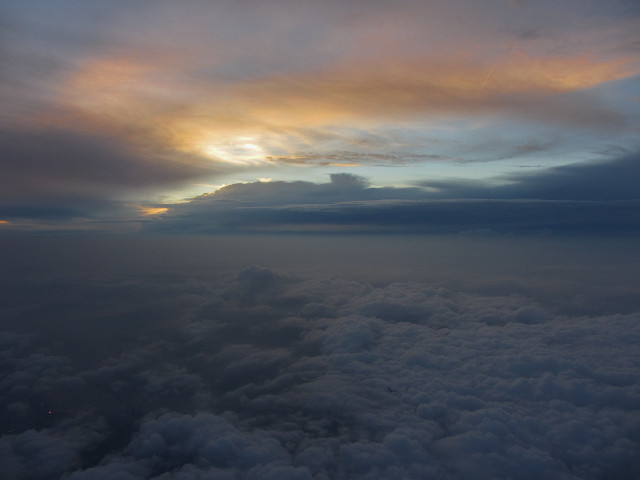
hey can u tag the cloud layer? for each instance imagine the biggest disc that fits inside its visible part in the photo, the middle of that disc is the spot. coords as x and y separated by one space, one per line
70 169
266 375
597 198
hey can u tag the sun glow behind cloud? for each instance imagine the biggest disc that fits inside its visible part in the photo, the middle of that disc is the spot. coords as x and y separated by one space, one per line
245 122
213 94
450 187
235 152
147 211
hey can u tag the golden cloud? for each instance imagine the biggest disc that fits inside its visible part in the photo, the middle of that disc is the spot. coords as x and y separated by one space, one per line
147 211
158 102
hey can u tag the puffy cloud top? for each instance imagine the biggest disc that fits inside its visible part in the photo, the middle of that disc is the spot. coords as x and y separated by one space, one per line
271 375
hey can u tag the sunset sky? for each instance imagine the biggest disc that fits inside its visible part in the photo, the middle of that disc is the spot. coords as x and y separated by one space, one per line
319 240
114 111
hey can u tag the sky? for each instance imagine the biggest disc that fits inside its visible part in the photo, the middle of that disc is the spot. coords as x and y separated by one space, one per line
113 112
303 240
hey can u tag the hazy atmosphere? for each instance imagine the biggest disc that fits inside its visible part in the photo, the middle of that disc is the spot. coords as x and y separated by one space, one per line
319 240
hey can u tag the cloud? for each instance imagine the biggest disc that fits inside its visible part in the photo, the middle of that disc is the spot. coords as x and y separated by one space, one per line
262 374
428 86
100 113
594 181
598 197
58 172
356 159
112 94
195 87
48 453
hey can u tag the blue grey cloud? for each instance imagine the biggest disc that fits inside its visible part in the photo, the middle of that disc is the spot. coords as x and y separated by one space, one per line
598 198
595 181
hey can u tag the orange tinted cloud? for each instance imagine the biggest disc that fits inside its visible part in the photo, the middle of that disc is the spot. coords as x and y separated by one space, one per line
153 101
419 87
146 211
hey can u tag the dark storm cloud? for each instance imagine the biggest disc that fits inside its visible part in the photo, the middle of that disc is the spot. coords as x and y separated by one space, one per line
262 374
599 197
55 173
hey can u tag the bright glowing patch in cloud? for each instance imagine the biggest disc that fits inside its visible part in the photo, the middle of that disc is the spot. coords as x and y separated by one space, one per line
152 210
234 152
152 100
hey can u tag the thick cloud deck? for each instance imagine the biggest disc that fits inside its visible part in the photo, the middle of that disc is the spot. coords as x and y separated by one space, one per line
601 198
264 375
